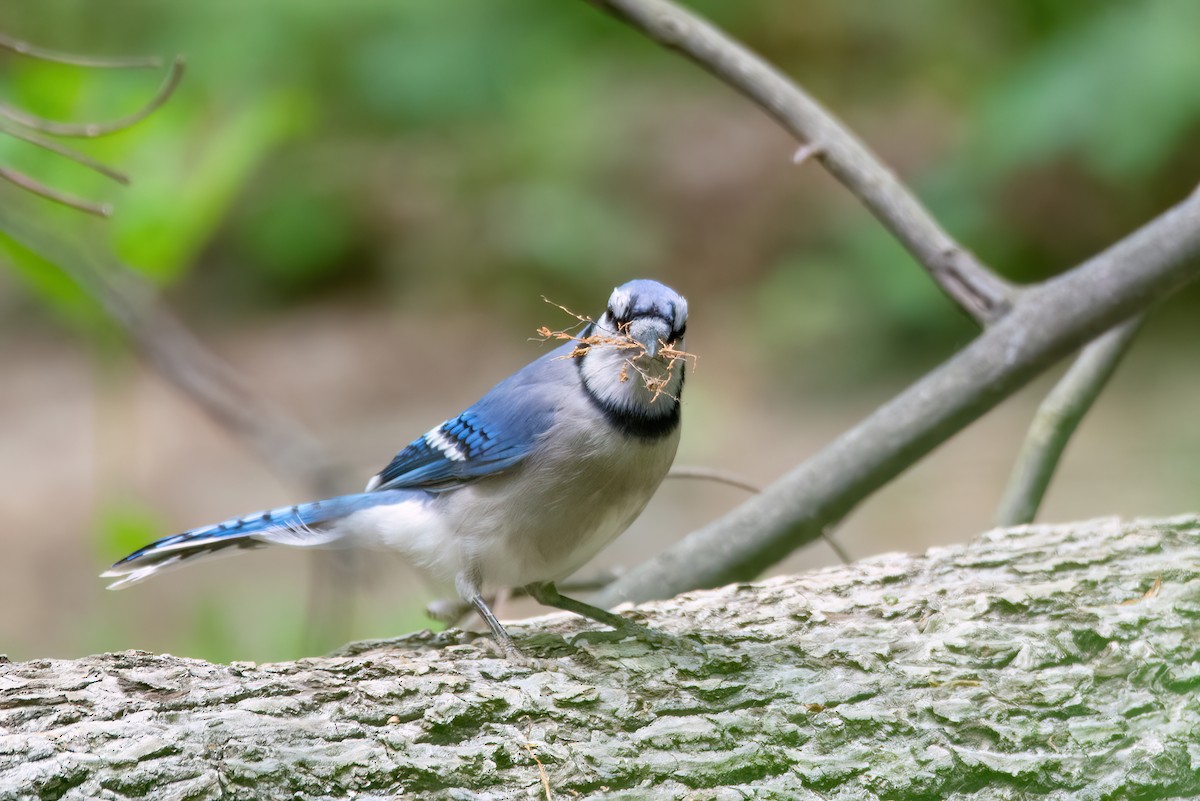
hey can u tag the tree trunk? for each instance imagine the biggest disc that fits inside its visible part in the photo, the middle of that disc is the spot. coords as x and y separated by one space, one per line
1059 661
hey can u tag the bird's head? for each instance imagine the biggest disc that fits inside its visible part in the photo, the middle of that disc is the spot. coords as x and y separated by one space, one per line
632 361
651 314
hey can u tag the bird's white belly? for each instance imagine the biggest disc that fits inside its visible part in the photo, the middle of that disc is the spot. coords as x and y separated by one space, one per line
412 528
560 514
539 521
554 548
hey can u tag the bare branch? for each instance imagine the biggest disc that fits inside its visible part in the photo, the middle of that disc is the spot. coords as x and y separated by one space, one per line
179 357
36 123
977 290
714 475
81 159
282 443
71 59
50 193
94 129
722 477
1056 419
1046 323
901 677
841 553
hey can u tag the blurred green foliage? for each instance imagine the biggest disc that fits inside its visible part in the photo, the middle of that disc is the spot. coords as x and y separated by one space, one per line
509 150
451 153
125 526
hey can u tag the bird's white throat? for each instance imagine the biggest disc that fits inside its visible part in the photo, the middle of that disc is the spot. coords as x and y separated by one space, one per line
623 382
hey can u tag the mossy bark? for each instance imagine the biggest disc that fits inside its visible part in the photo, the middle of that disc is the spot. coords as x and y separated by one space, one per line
1044 661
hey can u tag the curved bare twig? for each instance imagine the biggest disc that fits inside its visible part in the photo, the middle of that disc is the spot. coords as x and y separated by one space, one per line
178 355
1056 420
74 60
42 190
715 475
961 276
82 159
89 130
723 477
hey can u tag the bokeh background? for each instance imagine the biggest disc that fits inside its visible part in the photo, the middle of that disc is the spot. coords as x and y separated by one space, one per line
360 204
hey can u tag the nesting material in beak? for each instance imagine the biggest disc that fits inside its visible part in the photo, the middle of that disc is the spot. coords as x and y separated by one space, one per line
651 333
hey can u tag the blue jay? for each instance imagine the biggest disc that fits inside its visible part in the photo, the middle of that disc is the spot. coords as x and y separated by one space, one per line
521 489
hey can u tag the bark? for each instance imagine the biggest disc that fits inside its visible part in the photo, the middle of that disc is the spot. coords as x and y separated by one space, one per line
1048 661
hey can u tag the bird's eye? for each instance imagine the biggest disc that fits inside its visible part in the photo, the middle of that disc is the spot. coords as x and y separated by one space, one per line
617 319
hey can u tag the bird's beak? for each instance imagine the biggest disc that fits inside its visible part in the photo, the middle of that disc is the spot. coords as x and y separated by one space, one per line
650 333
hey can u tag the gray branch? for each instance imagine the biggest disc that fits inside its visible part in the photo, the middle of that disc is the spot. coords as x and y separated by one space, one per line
176 354
1048 322
1049 661
74 59
959 274
90 130
1056 420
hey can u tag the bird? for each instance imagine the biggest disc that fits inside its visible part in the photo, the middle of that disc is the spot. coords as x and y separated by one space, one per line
521 489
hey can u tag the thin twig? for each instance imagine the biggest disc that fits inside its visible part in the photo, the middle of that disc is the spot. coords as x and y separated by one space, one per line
178 356
94 129
713 474
81 159
50 193
217 388
960 275
841 553
1056 420
722 477
71 59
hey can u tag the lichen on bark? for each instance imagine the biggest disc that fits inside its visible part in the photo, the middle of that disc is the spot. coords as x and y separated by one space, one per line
1048 661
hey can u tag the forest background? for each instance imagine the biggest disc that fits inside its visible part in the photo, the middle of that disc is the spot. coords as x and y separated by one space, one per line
360 205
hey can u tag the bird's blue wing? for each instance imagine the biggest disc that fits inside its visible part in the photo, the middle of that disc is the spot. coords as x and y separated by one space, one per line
493 435
459 450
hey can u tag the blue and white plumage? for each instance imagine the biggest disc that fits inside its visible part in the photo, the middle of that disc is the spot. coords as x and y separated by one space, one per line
522 488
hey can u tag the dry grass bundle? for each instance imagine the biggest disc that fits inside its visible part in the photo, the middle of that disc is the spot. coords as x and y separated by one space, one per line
621 340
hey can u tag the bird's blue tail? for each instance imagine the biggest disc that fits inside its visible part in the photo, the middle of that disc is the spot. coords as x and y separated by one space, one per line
304 525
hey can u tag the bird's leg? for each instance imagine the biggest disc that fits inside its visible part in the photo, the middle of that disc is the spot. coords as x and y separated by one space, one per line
468 587
547 594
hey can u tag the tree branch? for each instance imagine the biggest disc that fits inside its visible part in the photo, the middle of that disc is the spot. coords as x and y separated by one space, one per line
960 275
698 473
94 129
1049 661
1048 322
40 189
1056 419
81 159
724 477
281 442
175 353
71 59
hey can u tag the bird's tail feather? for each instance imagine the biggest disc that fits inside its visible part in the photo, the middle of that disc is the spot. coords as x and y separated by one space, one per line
303 525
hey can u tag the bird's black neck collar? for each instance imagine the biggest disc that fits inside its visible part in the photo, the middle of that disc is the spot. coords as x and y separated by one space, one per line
631 419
